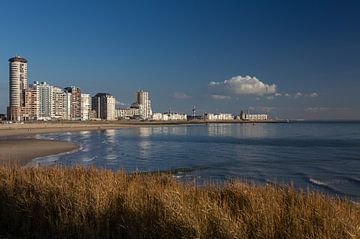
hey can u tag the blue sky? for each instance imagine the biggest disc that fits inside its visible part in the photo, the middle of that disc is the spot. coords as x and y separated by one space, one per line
302 58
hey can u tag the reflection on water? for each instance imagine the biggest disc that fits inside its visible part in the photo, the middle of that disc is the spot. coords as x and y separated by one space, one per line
143 132
321 156
172 130
244 130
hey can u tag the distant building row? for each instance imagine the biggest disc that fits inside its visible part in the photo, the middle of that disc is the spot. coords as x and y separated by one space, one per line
41 101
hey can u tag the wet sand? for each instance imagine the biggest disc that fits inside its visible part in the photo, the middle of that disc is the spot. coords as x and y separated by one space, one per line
40 128
22 151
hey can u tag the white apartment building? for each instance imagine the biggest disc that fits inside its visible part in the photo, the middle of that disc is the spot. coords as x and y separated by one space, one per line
67 106
85 106
127 113
58 103
142 98
169 116
45 98
254 117
218 117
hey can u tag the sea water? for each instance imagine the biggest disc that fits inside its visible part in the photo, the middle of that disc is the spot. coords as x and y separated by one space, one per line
310 155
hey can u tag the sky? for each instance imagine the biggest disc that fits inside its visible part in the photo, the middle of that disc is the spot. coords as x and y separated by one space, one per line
290 59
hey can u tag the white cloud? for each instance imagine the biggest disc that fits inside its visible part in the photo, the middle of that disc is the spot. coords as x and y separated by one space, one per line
298 95
119 103
220 97
181 96
244 86
313 95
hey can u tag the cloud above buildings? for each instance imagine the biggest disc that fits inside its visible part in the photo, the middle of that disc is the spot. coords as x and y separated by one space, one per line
181 96
296 95
220 97
119 103
313 95
306 95
246 85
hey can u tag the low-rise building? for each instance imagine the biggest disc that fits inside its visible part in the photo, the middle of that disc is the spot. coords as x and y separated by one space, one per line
218 117
127 113
169 116
253 117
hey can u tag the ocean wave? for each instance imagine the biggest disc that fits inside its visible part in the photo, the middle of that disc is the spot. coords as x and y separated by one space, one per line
318 182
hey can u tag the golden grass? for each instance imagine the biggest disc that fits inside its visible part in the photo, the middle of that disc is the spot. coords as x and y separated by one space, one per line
93 203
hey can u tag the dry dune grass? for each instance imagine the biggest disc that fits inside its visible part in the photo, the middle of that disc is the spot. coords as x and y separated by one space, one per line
93 203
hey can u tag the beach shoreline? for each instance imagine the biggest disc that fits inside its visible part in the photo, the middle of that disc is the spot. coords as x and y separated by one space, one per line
17 148
23 151
25 129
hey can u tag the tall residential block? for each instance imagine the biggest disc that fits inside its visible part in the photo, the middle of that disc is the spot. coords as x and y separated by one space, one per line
44 96
85 106
17 85
104 106
58 103
75 102
143 100
30 110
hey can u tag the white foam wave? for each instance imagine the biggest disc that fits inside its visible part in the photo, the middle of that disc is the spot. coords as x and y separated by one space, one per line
317 182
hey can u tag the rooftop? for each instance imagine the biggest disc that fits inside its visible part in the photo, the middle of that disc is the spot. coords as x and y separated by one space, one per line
18 59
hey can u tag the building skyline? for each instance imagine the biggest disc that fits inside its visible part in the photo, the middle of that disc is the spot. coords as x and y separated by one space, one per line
42 101
302 57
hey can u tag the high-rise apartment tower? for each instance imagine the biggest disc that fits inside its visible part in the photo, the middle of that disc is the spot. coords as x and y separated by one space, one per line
17 84
143 99
104 106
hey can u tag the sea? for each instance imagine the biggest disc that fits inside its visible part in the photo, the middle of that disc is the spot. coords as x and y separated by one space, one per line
322 156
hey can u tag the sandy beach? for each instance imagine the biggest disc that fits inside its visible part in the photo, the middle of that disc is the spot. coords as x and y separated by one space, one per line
22 151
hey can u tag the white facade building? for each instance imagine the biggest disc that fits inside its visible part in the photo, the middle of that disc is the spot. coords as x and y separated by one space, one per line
45 98
85 106
255 117
143 99
218 117
67 106
169 116
127 113
58 103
